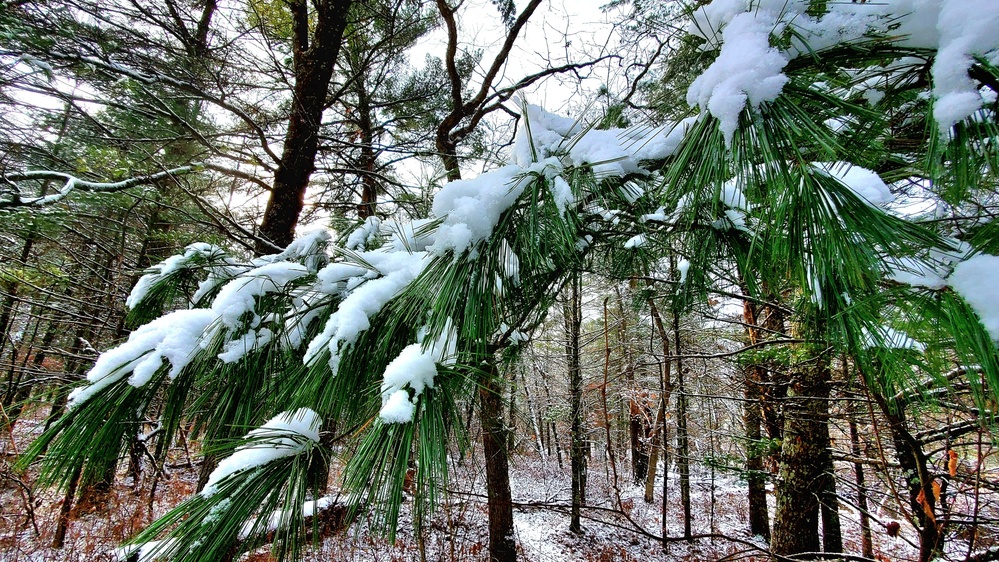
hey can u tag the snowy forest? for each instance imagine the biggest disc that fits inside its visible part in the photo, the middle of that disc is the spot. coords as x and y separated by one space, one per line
534 280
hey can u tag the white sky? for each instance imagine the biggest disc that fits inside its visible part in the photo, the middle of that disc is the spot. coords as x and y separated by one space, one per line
560 31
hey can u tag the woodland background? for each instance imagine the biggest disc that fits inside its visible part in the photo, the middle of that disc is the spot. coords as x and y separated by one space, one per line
639 420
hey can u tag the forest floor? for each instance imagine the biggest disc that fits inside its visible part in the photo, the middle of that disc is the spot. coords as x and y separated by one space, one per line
618 524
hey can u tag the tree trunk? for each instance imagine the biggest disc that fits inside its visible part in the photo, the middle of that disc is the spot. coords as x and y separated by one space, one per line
449 157
10 299
313 70
369 184
62 523
866 540
682 437
658 442
577 452
918 480
832 534
659 430
773 383
502 547
802 469
759 516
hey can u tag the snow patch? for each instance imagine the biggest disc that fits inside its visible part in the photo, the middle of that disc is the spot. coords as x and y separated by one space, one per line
974 279
285 435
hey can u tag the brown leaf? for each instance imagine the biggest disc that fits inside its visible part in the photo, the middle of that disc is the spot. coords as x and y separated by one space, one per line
952 463
927 508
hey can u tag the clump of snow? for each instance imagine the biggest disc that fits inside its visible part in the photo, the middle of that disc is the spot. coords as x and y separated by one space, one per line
398 408
173 337
234 350
335 277
967 28
562 194
890 338
365 299
605 151
747 70
619 152
636 242
285 435
510 262
415 368
865 183
750 71
543 137
683 266
274 520
362 235
238 296
414 236
658 216
731 196
472 208
974 279
169 266
541 134
309 249
609 215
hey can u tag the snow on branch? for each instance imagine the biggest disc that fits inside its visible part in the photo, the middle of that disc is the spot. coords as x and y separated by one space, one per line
10 194
287 434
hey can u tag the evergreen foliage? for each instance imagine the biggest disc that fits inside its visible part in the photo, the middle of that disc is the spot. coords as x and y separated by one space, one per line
773 205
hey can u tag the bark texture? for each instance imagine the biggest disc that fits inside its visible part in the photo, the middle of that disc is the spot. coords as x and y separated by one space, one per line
502 547
803 449
315 55
577 452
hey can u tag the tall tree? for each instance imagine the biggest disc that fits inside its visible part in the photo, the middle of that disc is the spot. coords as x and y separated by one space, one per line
317 30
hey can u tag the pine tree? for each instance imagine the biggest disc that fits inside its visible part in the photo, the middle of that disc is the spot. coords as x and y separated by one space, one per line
776 182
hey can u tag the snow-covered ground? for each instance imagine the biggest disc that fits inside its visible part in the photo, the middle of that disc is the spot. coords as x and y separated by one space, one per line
617 525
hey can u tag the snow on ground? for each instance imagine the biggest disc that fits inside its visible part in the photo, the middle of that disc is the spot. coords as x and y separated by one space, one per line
613 525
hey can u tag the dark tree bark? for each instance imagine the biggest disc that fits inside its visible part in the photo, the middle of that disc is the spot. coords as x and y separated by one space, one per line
11 300
369 182
502 547
577 452
802 469
315 56
62 522
759 516
918 480
682 437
